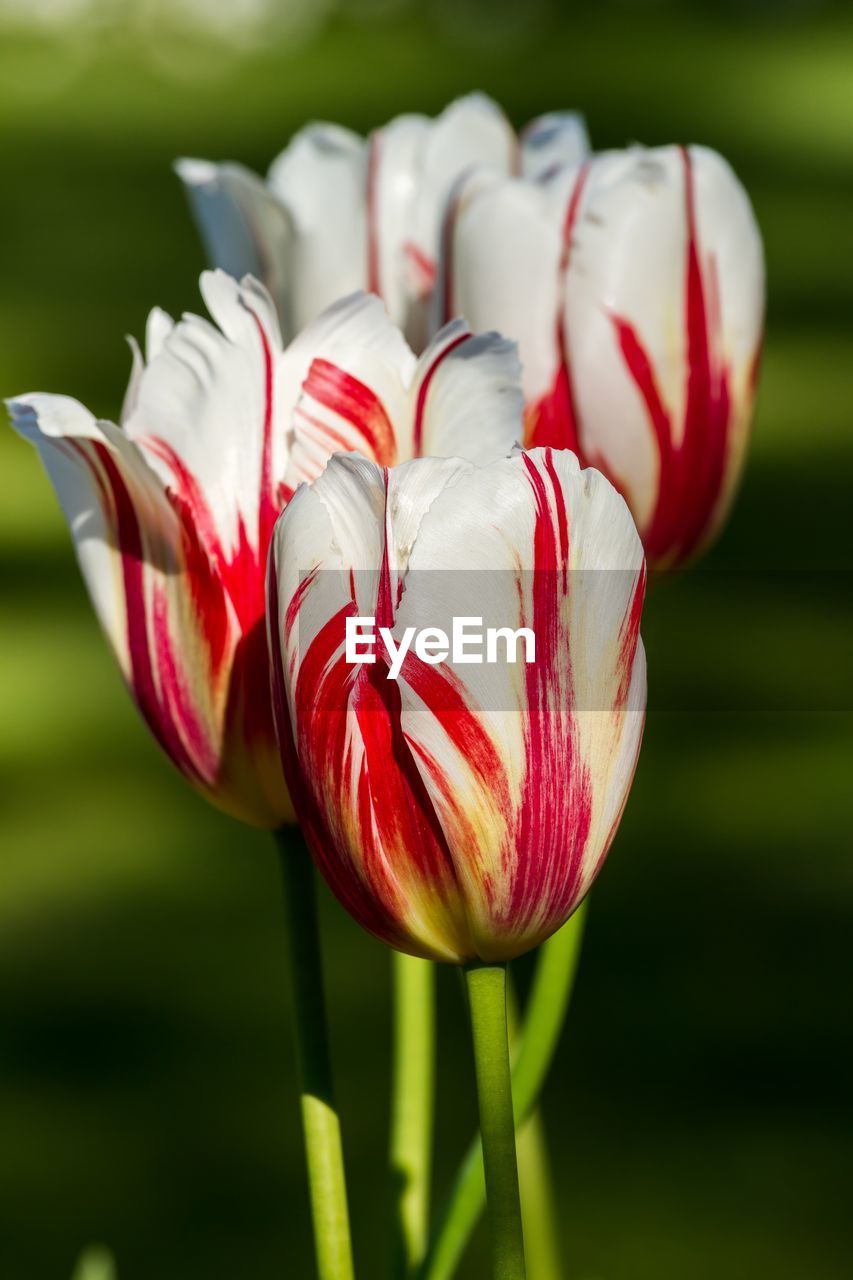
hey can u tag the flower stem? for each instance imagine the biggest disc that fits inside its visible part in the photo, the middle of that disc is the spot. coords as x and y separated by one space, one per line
487 998
321 1127
544 1016
412 1103
538 1210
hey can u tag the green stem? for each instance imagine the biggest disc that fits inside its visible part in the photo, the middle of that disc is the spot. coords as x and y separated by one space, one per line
538 1210
322 1131
487 997
543 1021
412 1104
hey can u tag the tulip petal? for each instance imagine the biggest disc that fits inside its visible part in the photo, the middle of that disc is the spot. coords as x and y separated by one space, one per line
501 268
348 378
321 179
414 163
528 767
468 397
173 638
553 141
207 413
663 312
371 827
363 392
158 327
245 229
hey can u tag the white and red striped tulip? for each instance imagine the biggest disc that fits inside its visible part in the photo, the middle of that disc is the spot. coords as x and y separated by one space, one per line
458 814
634 285
172 511
339 212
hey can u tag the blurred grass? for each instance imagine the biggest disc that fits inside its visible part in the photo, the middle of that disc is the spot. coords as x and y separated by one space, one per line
700 1107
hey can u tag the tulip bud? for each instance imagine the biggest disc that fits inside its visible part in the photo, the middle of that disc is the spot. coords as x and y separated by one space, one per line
172 512
634 285
458 808
339 212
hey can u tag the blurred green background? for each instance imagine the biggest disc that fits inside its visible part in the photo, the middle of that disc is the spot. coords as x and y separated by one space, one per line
699 1112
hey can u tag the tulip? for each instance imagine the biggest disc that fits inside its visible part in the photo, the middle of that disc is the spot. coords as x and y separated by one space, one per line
339 212
172 511
459 812
634 285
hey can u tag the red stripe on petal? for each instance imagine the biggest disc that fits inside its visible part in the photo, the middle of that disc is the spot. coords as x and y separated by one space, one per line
139 639
443 694
640 367
204 586
422 270
343 394
629 638
553 419
555 812
423 389
175 697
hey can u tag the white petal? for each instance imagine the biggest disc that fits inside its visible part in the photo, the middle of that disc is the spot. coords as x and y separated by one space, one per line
554 140
246 231
471 132
415 164
394 191
627 260
321 177
67 437
208 403
468 398
357 397
504 248
157 329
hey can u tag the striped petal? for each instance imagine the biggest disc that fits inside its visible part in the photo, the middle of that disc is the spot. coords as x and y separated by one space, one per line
528 766
466 398
156 594
363 391
460 811
414 163
369 822
348 376
208 415
663 315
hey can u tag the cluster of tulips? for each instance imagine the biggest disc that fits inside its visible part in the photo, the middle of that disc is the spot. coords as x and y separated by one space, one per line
337 442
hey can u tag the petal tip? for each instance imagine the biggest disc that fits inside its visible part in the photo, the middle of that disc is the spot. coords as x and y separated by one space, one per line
194 172
40 413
